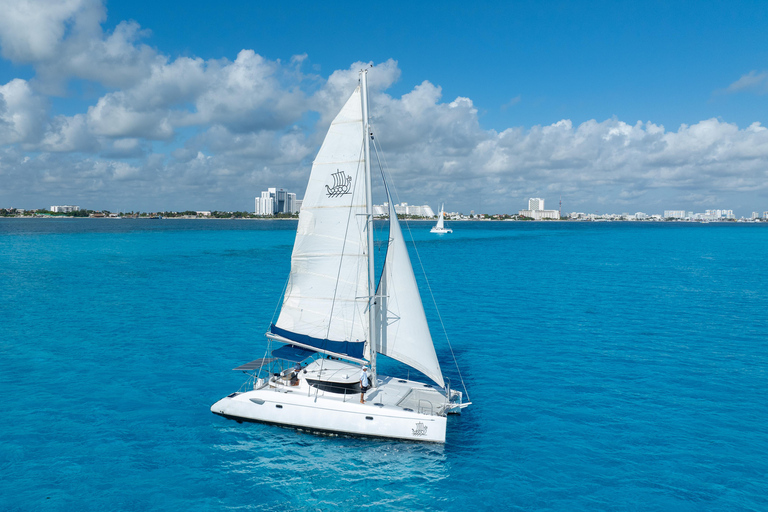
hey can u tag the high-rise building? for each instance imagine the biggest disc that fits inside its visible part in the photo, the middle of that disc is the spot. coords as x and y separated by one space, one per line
280 198
265 205
290 200
535 203
273 201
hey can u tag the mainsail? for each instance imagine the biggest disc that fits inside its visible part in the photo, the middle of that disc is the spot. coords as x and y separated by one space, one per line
401 322
327 294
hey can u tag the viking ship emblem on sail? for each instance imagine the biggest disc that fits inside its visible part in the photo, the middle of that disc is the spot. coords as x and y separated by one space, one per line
341 184
420 430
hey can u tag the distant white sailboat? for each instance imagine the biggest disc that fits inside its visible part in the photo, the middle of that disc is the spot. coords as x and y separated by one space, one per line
439 227
335 318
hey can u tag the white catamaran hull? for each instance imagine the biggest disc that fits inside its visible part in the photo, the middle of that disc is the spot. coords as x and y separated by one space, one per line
320 414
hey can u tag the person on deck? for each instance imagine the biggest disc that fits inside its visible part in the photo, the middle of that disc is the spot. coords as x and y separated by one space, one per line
365 384
295 374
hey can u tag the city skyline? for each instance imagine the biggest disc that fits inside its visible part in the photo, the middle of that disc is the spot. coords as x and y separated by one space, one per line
664 105
279 201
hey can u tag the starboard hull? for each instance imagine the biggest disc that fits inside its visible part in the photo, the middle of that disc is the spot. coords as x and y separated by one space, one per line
318 414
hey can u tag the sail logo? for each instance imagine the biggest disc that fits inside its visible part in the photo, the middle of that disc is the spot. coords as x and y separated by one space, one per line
341 184
420 430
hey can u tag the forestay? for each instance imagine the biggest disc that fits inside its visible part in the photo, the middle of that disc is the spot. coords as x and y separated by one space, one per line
325 301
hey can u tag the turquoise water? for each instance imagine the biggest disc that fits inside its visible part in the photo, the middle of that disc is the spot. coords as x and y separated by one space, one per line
612 366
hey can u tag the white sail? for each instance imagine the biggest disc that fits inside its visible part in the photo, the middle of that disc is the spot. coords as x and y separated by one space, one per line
402 325
325 302
440 221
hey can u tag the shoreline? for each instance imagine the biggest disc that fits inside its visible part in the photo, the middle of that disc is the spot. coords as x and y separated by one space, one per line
598 220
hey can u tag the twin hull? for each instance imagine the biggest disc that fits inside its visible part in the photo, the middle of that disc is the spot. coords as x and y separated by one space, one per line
319 414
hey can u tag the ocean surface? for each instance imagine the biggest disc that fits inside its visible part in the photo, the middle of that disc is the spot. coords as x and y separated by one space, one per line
611 366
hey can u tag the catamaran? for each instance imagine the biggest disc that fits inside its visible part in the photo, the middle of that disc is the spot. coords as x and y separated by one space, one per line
335 317
440 226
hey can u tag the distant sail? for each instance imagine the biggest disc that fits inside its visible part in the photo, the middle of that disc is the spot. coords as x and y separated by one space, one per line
440 226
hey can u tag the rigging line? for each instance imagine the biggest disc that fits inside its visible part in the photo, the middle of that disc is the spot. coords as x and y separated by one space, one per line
280 298
426 279
386 191
269 341
268 352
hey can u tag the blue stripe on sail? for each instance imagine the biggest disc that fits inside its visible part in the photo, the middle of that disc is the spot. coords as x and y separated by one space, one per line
351 348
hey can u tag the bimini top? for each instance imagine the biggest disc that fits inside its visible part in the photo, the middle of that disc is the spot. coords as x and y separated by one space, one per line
292 353
255 364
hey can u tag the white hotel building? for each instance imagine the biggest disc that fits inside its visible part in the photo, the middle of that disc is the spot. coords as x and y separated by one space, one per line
65 209
677 214
382 210
536 210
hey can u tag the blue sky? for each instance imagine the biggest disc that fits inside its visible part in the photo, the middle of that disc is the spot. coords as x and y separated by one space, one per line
616 106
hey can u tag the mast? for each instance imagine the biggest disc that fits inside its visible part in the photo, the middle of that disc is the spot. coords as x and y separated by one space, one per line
372 342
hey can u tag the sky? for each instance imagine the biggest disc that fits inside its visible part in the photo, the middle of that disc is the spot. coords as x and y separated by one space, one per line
613 106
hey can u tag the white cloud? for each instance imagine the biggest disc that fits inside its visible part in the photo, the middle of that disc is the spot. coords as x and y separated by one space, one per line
112 117
31 31
126 148
246 95
67 134
114 60
268 146
22 113
63 39
511 103
243 96
751 82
